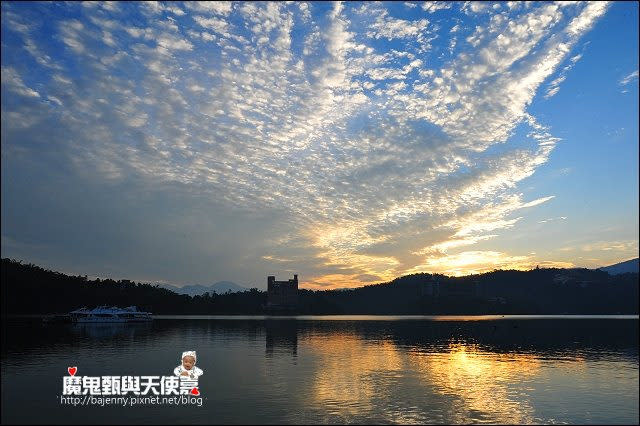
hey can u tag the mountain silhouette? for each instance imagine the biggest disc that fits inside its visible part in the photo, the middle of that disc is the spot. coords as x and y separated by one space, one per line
30 289
220 287
622 267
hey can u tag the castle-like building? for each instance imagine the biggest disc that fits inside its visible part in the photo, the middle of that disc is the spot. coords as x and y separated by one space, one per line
282 295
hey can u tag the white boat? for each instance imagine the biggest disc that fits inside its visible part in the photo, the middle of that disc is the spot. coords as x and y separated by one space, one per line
109 314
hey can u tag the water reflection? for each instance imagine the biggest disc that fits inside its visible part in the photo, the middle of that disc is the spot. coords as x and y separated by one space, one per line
457 383
354 376
118 331
281 336
345 371
486 386
457 373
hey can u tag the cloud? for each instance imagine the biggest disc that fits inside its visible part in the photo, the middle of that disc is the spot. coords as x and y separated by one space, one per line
13 82
70 32
434 6
217 25
477 262
554 86
327 140
223 8
551 219
171 42
620 245
385 26
629 78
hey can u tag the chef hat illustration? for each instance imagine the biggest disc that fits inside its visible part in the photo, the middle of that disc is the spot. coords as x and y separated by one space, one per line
189 353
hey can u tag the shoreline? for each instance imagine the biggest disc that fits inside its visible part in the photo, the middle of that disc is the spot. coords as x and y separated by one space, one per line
367 317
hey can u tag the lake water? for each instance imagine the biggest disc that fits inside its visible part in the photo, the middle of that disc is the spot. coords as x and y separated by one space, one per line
337 369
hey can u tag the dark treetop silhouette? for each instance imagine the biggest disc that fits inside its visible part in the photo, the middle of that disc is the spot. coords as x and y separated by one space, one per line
29 289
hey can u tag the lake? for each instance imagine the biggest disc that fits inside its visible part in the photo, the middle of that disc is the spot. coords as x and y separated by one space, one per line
337 369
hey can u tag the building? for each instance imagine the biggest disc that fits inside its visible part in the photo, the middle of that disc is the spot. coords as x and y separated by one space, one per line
282 295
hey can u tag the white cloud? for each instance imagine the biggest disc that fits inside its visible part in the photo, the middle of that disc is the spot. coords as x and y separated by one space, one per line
391 28
274 114
175 10
12 80
586 19
171 42
305 11
218 25
434 6
111 6
629 78
554 86
223 8
70 33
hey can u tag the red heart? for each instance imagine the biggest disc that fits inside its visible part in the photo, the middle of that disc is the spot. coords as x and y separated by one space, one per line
72 370
195 391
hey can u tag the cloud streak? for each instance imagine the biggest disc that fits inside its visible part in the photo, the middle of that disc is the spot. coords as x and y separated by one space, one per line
334 117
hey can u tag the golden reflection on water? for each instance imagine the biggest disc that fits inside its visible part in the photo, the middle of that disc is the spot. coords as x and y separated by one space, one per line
460 381
488 385
352 372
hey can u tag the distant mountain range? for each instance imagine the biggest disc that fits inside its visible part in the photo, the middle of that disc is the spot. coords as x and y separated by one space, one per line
622 267
220 287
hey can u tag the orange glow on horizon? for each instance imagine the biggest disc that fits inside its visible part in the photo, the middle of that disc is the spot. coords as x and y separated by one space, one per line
338 281
344 248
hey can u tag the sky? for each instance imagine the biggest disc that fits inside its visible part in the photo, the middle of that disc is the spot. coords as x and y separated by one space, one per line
349 143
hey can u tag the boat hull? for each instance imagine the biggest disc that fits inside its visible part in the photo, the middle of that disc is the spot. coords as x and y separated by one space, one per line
104 314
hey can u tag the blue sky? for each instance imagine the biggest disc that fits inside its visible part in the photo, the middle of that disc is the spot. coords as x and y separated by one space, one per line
347 142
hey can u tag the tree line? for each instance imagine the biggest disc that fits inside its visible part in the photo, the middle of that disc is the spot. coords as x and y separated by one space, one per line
30 289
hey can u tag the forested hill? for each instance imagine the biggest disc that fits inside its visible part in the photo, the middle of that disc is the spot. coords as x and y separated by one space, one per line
29 289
